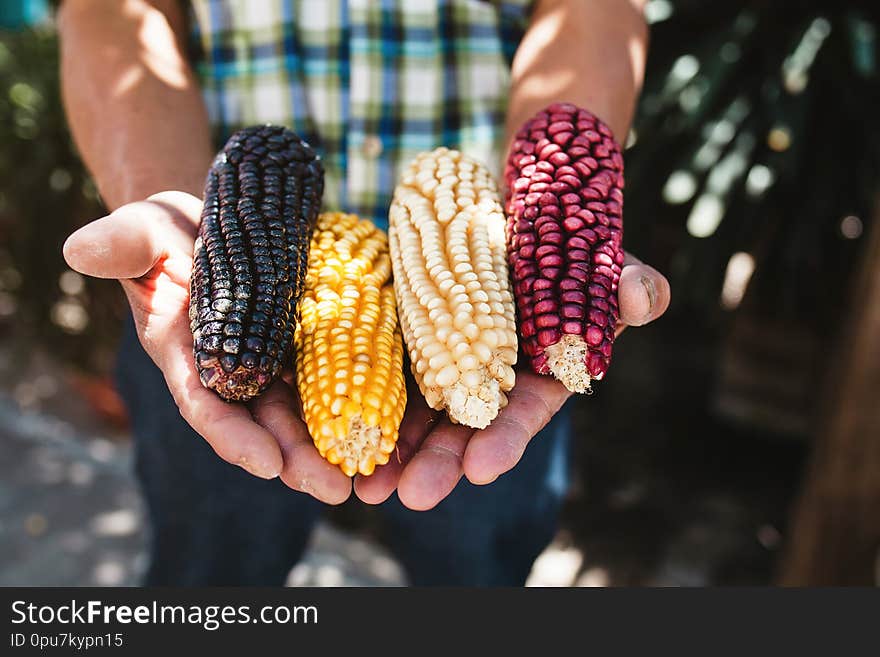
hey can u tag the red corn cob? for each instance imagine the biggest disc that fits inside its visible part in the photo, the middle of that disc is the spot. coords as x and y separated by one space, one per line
564 202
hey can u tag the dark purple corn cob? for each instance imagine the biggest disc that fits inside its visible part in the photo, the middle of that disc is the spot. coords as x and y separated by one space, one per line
564 202
262 199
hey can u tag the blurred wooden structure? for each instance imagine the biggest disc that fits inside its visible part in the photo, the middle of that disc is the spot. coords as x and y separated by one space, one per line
766 376
834 538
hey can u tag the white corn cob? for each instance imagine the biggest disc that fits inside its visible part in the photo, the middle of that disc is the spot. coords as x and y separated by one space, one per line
446 233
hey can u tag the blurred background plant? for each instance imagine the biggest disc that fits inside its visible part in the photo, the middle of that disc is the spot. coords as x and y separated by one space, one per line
44 194
754 171
752 181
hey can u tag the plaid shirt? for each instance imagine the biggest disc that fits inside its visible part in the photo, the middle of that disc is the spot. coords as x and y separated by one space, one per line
370 83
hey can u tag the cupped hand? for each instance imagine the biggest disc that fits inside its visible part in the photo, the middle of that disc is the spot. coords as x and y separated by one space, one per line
433 453
148 247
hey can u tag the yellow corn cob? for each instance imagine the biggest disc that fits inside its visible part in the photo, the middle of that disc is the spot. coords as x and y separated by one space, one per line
453 293
349 361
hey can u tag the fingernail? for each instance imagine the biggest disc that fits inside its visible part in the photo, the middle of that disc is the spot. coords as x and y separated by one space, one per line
263 472
651 291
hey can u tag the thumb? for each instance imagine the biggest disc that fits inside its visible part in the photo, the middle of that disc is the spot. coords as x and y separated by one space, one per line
120 245
643 293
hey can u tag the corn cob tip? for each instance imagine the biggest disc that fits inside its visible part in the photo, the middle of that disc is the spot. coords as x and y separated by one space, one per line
359 450
474 408
567 361
241 384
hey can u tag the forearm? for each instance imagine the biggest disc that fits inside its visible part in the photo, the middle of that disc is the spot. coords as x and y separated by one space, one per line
132 101
587 52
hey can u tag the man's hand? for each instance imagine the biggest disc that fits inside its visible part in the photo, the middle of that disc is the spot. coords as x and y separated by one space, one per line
433 453
148 246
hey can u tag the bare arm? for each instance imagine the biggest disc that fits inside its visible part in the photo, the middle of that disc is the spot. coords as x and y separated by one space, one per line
587 52
139 121
131 98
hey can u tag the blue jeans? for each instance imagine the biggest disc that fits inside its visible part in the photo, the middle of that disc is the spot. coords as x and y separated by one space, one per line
214 524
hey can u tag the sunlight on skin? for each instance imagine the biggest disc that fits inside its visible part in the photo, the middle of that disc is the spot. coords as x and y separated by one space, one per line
158 53
125 73
584 79
158 43
128 79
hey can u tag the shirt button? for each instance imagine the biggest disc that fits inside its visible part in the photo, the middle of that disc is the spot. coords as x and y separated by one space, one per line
372 146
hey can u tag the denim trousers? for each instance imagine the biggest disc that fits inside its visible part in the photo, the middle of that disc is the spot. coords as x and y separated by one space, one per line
213 524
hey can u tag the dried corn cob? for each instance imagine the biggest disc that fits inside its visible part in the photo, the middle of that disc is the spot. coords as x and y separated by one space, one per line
261 198
565 228
349 350
453 293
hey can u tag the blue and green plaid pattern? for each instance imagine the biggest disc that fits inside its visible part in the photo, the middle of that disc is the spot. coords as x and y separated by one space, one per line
370 83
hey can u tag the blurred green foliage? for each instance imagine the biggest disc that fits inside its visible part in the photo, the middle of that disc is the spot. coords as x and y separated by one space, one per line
44 195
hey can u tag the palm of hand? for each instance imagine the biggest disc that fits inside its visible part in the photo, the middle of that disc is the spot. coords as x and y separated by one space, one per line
148 247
